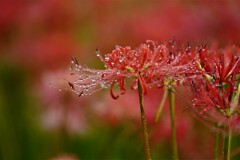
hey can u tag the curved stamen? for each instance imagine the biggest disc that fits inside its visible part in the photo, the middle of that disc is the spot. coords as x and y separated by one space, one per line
111 92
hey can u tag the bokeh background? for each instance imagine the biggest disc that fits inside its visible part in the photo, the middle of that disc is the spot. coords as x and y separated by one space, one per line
38 39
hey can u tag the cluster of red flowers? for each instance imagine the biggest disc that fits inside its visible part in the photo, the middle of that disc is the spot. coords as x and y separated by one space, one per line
211 74
216 95
150 64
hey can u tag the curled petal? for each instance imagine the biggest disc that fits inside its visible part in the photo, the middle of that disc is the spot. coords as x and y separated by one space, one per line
145 52
234 68
111 92
121 84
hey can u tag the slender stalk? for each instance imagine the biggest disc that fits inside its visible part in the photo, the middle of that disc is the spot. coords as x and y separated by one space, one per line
144 123
160 108
216 144
227 145
174 138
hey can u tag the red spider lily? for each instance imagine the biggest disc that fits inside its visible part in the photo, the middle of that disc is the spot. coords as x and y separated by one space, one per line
181 63
222 66
150 64
215 95
216 105
207 96
219 89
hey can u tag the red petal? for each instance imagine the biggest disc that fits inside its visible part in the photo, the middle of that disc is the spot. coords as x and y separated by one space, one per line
111 92
121 84
143 84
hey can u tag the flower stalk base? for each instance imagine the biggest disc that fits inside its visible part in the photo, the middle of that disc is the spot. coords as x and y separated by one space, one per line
172 112
227 145
144 123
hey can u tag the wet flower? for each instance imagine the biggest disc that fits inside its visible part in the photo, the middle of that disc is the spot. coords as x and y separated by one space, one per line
208 96
216 95
214 106
221 65
150 64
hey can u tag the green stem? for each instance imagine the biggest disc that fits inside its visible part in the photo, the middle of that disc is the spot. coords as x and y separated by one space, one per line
144 123
227 145
160 108
174 138
216 144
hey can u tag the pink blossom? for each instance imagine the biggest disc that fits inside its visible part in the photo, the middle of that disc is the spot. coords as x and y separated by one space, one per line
61 110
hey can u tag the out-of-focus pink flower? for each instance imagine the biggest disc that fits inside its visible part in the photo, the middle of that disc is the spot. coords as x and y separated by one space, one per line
61 110
64 156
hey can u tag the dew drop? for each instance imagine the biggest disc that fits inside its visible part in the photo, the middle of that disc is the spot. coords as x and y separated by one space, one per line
106 58
103 85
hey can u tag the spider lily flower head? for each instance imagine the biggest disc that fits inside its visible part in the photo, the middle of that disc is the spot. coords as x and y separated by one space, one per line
222 66
182 63
121 63
207 96
215 104
150 64
219 88
139 63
